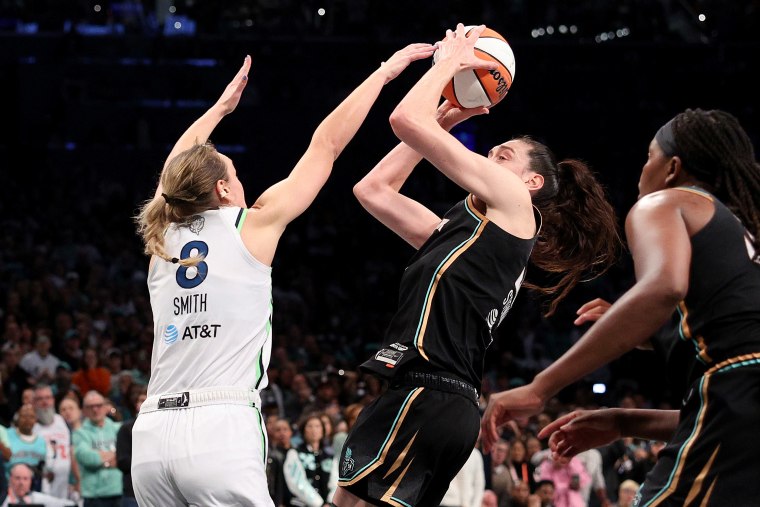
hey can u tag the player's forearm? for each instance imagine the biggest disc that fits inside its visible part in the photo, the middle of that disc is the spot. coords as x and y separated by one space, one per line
421 102
340 126
633 319
199 131
647 424
393 170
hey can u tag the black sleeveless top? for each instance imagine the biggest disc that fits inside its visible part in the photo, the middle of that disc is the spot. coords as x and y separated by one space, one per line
454 293
719 319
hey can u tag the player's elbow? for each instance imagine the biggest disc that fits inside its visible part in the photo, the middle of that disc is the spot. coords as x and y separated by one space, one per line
404 123
668 291
367 191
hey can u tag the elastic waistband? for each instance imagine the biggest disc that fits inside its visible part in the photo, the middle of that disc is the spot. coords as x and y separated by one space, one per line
440 382
201 397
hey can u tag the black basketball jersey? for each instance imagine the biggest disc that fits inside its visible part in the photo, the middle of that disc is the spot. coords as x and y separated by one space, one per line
719 318
454 293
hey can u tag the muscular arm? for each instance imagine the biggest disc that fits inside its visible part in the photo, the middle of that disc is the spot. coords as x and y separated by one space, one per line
660 244
201 129
414 122
287 199
379 191
661 249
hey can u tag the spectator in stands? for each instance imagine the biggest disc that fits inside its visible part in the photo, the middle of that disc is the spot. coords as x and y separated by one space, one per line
92 377
626 493
547 494
95 452
26 447
501 478
69 409
20 490
40 364
519 494
592 463
5 455
519 467
307 467
468 485
15 379
124 453
52 427
567 478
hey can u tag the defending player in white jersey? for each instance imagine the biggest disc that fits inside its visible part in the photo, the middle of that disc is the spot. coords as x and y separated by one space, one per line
199 438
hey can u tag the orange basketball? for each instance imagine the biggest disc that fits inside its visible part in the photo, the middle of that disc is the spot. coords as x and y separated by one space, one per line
480 87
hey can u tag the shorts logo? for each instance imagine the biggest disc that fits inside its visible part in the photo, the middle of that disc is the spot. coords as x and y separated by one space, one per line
636 500
348 463
171 334
399 347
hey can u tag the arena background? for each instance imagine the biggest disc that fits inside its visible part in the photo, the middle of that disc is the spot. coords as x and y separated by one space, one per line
95 93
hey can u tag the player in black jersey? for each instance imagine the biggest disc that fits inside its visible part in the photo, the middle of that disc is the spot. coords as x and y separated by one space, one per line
407 445
694 239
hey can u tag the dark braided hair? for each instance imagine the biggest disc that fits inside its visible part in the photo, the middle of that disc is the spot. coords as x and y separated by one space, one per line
715 149
580 234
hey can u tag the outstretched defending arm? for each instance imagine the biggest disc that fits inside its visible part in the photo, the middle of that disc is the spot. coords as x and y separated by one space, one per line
201 129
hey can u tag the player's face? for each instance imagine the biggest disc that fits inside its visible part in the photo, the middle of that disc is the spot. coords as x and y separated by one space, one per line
654 171
237 195
515 156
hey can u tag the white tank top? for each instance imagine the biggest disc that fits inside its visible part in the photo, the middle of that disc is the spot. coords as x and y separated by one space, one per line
212 322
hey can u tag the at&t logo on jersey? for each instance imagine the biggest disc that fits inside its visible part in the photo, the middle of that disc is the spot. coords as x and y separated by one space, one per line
171 334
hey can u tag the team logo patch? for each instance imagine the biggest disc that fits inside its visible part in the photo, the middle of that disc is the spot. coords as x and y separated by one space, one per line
196 224
348 463
399 347
389 356
171 334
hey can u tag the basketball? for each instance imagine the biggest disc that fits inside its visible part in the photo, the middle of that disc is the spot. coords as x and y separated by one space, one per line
481 87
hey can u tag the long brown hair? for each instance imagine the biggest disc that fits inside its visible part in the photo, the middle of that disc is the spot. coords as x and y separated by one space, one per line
189 183
580 236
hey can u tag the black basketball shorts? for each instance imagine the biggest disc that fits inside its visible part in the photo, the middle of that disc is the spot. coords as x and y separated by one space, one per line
408 444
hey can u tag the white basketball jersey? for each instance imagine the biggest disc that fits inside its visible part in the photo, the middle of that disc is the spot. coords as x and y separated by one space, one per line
58 460
212 322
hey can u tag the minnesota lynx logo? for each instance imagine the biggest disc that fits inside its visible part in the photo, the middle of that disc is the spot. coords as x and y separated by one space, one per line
196 224
348 463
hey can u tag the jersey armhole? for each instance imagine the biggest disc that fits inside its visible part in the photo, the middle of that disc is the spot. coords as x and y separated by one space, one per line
240 220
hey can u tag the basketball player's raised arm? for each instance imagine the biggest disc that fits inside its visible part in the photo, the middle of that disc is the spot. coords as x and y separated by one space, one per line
379 191
414 122
286 200
201 129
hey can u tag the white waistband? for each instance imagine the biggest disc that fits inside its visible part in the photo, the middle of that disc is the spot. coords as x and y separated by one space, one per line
201 397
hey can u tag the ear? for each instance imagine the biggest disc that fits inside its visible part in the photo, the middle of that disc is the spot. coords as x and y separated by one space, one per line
222 189
535 182
674 172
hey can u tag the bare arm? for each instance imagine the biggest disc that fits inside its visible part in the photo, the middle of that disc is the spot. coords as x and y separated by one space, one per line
581 430
379 190
287 199
414 123
661 249
201 129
